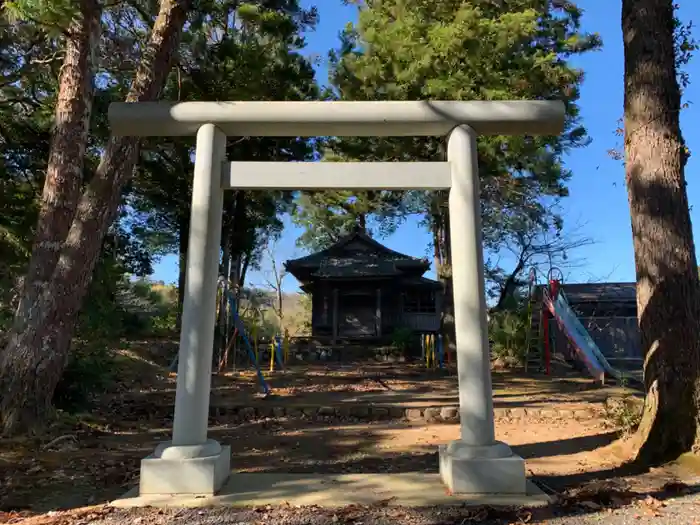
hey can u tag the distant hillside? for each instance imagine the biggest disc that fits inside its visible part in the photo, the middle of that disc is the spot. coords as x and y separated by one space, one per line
148 298
296 309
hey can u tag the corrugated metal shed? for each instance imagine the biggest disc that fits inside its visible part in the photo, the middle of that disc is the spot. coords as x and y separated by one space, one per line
601 292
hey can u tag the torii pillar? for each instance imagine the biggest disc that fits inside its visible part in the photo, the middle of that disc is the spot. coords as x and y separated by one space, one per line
476 463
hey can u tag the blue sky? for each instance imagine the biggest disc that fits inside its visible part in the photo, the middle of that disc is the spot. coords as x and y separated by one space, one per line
598 200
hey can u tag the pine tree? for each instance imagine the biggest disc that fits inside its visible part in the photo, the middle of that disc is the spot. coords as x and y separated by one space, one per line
480 50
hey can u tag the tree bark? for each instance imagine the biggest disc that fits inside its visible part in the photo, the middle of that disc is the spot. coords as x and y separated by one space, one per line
441 236
510 286
244 262
35 356
64 171
183 234
224 275
667 279
362 222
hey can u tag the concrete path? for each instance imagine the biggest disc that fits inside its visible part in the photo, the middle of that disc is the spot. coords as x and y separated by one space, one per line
408 489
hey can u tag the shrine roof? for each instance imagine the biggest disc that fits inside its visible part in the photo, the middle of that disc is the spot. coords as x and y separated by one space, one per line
355 255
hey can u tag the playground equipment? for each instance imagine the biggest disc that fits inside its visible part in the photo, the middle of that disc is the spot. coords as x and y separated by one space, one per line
585 347
276 353
535 358
556 306
285 346
432 350
240 328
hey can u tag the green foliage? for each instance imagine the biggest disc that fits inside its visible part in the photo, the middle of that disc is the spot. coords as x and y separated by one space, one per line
325 216
306 307
256 310
152 312
402 339
624 414
684 46
89 371
449 49
508 331
26 108
52 13
165 322
102 317
232 50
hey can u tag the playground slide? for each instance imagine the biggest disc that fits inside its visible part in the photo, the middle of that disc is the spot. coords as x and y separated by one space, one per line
586 349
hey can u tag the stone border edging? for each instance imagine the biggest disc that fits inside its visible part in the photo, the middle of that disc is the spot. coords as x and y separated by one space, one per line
444 414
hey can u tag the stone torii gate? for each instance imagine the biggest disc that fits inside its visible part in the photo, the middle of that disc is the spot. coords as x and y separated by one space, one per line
475 463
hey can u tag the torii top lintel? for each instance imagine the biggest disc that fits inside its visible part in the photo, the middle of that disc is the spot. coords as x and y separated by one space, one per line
337 118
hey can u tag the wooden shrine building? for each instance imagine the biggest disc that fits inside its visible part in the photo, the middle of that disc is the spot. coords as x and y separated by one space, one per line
361 289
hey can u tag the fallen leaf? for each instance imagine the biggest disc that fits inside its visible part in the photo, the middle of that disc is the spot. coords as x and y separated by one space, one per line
480 515
652 506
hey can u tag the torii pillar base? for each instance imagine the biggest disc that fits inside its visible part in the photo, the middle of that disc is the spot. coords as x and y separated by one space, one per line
200 470
492 469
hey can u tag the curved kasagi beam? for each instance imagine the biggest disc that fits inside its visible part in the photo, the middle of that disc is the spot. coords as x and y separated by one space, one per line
338 118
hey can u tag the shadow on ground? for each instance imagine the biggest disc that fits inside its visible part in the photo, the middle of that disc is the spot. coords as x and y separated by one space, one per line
103 464
93 458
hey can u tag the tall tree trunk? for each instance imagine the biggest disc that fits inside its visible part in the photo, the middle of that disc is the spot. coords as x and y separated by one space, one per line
362 222
667 278
34 358
64 171
444 269
183 235
510 286
224 273
235 278
435 230
244 263
280 300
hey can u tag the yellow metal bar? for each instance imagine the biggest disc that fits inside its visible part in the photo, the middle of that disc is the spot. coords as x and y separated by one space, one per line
286 346
428 356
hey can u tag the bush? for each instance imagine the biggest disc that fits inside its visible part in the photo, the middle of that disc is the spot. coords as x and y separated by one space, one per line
165 322
89 371
114 308
508 330
624 414
401 339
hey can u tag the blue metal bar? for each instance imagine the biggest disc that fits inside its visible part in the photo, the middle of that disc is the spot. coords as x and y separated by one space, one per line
278 352
238 323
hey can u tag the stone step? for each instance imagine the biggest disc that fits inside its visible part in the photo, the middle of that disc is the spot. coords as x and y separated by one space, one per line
445 414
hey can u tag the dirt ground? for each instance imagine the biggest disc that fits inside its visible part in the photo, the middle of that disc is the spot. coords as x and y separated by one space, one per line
329 384
90 459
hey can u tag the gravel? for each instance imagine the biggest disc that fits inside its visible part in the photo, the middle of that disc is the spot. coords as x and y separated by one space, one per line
684 510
